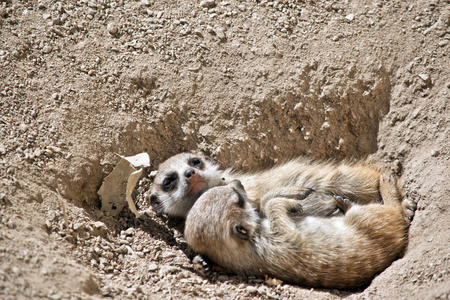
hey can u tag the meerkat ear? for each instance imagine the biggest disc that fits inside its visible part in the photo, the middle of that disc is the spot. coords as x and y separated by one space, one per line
239 189
241 199
241 232
237 185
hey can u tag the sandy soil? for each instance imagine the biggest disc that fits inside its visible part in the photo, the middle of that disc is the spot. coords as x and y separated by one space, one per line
250 83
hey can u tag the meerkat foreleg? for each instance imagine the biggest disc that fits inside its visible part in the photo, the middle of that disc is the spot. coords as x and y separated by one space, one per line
359 183
288 192
390 194
279 212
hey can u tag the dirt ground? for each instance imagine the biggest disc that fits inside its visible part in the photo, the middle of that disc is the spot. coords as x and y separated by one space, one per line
250 83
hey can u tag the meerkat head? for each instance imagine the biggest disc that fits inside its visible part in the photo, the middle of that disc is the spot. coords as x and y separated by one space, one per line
222 224
179 182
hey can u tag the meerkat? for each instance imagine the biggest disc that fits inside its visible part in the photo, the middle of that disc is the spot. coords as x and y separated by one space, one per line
338 252
183 178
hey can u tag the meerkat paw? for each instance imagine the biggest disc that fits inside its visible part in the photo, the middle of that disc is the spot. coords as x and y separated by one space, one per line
203 265
294 208
388 188
409 209
293 192
344 204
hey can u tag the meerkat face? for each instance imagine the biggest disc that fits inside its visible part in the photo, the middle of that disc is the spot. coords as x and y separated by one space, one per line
222 224
180 181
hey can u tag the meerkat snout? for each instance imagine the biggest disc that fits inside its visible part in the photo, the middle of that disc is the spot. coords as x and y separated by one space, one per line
189 172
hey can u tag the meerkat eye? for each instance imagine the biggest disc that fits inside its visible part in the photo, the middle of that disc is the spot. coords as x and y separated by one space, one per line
241 232
169 182
195 162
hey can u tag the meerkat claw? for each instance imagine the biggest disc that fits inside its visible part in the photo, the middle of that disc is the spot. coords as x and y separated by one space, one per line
308 192
202 265
409 209
344 204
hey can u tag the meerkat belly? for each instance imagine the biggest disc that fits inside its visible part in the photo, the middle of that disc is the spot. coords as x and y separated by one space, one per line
321 226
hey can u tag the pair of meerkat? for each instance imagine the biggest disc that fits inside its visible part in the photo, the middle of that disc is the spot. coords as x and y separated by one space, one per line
183 178
285 242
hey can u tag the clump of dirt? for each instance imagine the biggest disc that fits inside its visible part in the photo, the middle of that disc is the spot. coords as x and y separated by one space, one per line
250 83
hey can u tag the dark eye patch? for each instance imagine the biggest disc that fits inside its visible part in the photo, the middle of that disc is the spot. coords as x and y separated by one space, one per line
169 182
196 162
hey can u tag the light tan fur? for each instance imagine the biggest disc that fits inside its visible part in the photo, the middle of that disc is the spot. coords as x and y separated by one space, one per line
356 181
338 252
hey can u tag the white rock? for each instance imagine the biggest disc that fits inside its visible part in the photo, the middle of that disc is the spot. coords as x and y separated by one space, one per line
220 32
112 28
47 49
251 289
425 77
54 149
208 3
443 43
152 267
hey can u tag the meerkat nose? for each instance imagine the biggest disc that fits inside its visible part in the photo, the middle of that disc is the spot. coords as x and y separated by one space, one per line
189 172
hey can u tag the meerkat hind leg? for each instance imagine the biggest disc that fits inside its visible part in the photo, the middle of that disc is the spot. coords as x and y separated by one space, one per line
389 190
409 209
390 193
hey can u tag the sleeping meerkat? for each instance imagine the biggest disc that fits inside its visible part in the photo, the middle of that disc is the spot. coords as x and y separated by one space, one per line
338 252
182 178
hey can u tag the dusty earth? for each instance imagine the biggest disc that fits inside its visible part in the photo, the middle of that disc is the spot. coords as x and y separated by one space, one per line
250 83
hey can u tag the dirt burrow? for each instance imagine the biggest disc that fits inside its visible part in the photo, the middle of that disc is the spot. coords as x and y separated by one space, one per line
251 84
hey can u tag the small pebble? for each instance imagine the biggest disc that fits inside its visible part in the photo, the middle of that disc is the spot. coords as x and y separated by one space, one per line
337 37
210 29
208 3
112 28
425 77
165 270
130 231
23 127
47 49
435 153
443 43
251 289
48 152
152 267
350 17
54 149
220 32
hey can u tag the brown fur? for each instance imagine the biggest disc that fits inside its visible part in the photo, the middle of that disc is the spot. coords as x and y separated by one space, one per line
339 252
356 181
